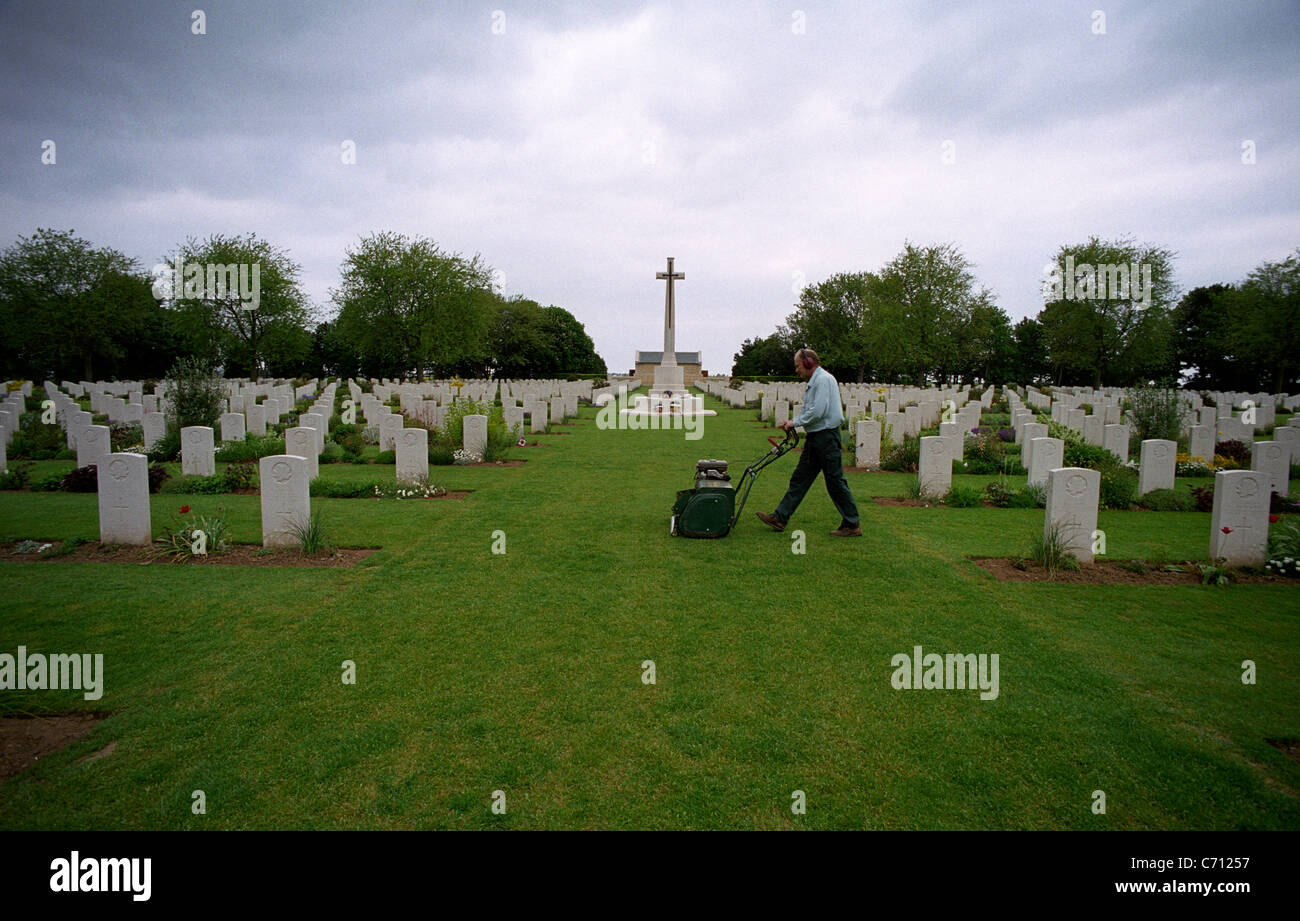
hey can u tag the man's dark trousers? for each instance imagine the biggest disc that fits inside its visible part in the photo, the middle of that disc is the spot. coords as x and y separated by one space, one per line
821 454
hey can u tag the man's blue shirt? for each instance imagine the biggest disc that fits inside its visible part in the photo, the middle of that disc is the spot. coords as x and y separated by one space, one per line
821 403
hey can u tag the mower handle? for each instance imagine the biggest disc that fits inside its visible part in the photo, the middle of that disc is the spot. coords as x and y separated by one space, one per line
791 434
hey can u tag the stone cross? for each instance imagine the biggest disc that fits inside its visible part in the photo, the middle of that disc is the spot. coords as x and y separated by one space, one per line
670 320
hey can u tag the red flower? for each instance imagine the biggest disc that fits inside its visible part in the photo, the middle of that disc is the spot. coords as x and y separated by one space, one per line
1226 529
1274 519
184 509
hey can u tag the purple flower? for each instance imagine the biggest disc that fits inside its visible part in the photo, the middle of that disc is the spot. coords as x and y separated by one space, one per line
1007 434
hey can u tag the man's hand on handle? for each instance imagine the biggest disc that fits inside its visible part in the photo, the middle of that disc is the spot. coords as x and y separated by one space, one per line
787 425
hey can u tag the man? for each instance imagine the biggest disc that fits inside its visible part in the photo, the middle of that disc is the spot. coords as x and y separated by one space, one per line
820 419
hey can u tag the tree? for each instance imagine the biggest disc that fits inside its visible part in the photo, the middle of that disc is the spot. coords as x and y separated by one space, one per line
525 339
238 303
1263 328
1200 339
766 357
410 307
1029 364
1095 316
69 309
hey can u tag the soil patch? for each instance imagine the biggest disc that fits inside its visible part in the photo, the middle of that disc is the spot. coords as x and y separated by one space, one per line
237 555
1109 572
1288 747
907 501
24 740
461 494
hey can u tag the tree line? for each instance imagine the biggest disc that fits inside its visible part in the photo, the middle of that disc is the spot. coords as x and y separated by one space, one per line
404 307
1109 318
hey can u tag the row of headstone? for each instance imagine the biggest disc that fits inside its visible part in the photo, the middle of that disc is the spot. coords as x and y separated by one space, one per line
124 514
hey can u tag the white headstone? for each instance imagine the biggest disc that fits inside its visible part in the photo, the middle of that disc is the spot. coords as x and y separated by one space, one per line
1273 459
1115 440
92 443
300 441
123 499
196 451
155 428
256 418
781 413
557 409
232 426
1239 517
475 434
1073 494
1156 465
1046 454
1030 431
317 422
935 467
286 497
867 447
412 455
389 426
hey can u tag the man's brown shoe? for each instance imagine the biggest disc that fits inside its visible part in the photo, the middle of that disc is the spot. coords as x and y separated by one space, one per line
847 532
772 521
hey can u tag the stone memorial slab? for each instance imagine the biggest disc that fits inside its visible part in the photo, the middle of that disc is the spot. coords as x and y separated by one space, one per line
1239 517
123 483
197 451
301 441
286 496
92 443
1273 459
867 443
1073 494
1046 455
475 434
934 470
412 455
1156 465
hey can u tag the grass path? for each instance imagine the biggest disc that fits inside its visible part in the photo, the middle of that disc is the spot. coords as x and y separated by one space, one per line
522 672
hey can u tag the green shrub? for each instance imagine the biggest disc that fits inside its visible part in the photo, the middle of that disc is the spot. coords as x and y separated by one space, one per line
386 457
902 458
1157 412
36 441
197 396
332 454
1168 500
964 497
165 449
1118 487
196 485
441 454
16 476
311 534
51 483
239 476
499 441
328 489
123 435
1079 453
1049 550
253 447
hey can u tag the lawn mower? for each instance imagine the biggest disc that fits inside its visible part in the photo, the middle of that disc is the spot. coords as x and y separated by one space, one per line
711 509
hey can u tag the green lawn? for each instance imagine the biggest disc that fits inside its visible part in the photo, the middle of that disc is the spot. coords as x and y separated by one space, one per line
522 672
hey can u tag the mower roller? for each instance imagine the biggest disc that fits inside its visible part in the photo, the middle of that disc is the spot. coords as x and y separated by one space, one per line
711 509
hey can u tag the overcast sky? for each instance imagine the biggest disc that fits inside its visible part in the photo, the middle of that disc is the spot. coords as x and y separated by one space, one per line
575 145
